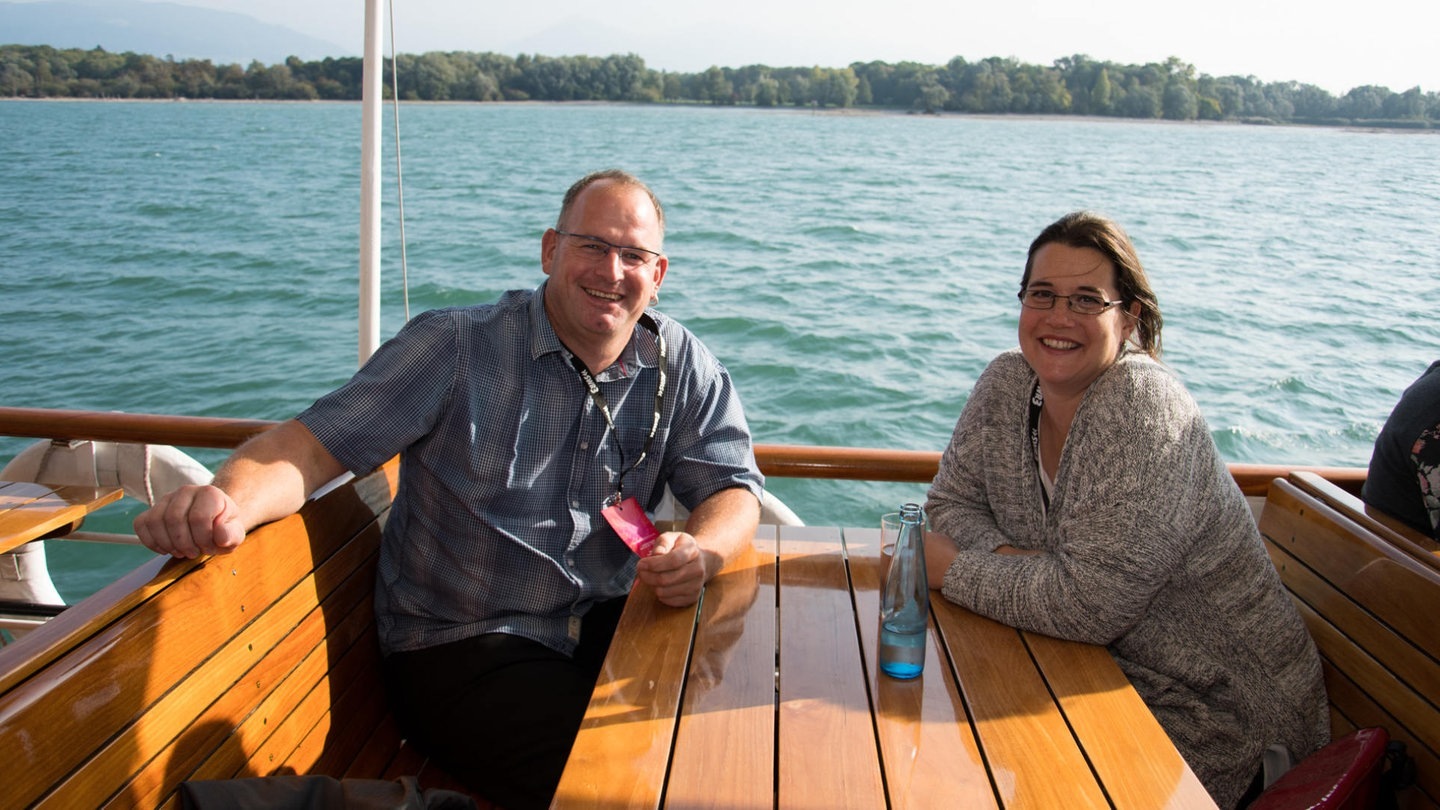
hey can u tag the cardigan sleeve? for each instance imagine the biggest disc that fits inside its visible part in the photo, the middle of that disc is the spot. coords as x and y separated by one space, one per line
958 503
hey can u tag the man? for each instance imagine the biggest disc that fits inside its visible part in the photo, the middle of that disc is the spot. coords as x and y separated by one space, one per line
499 581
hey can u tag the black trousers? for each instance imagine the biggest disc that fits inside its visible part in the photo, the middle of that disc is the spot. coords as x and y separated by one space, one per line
500 712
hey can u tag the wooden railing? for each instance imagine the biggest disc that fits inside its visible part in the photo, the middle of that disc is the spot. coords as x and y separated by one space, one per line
775 460
145 428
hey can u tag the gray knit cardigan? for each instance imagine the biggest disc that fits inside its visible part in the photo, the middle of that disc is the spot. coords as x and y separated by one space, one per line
1149 548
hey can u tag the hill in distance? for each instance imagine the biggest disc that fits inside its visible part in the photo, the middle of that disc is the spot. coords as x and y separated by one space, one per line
159 29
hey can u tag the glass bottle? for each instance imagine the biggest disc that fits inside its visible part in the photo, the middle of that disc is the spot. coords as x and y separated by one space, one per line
905 602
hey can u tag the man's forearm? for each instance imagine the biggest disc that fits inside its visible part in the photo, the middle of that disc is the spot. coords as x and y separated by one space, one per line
723 525
272 474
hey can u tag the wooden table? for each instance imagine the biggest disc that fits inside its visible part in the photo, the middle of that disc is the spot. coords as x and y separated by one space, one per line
30 511
772 700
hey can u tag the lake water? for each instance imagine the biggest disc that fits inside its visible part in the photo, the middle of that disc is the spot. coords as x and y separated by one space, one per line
854 272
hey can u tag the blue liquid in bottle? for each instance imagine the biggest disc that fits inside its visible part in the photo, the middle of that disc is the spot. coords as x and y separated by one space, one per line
905 602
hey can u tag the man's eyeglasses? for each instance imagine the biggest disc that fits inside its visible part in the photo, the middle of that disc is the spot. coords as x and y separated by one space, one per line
595 249
1083 303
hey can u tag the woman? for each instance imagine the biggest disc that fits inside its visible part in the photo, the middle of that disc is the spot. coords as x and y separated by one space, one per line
1083 497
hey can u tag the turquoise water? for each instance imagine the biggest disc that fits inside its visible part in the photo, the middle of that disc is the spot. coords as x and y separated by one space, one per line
854 272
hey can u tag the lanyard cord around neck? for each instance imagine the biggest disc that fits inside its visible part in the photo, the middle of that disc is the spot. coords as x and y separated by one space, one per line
599 399
1037 402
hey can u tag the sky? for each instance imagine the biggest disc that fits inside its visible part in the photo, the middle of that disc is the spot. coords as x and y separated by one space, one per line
1329 43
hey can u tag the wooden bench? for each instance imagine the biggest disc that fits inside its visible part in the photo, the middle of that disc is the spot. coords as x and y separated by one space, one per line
256 663
1372 608
1401 535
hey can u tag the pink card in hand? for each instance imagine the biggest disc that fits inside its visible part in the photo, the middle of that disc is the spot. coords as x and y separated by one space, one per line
630 522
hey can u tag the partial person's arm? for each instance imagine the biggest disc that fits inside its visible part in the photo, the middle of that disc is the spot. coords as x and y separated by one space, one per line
719 528
266 478
941 551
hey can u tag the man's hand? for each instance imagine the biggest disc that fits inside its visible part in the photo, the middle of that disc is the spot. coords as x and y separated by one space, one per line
191 521
675 569
267 478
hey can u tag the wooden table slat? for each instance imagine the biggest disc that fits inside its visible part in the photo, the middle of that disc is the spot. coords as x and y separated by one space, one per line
728 721
1134 759
622 751
1033 759
926 743
828 755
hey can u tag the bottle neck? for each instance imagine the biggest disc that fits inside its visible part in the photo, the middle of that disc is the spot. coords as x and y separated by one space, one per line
912 513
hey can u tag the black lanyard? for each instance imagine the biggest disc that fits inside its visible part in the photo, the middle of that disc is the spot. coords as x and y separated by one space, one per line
599 399
1037 401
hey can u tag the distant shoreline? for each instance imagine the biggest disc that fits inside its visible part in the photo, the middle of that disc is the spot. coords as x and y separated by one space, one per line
790 110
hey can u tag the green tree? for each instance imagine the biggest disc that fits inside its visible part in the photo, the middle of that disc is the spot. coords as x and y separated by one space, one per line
623 77
1175 68
1312 102
99 64
1367 101
195 78
48 81
1409 105
767 92
1231 97
1140 101
1179 102
20 81
1038 90
716 87
16 76
799 90
880 78
431 77
834 88
153 78
992 92
1101 92
1074 84
673 87
933 96
230 83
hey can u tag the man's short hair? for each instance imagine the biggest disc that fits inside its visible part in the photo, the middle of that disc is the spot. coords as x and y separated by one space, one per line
615 176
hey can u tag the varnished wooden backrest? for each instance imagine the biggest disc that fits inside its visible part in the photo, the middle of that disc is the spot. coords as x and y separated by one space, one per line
1383 525
1372 610
253 663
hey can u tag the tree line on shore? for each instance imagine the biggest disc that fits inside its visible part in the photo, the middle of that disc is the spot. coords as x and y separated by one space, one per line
1074 85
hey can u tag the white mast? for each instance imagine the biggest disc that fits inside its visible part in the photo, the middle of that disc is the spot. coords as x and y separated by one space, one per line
370 183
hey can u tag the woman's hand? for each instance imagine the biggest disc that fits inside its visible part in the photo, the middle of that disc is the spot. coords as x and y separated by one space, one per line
940 552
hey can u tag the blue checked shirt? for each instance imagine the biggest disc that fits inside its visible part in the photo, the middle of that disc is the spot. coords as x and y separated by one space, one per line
505 463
